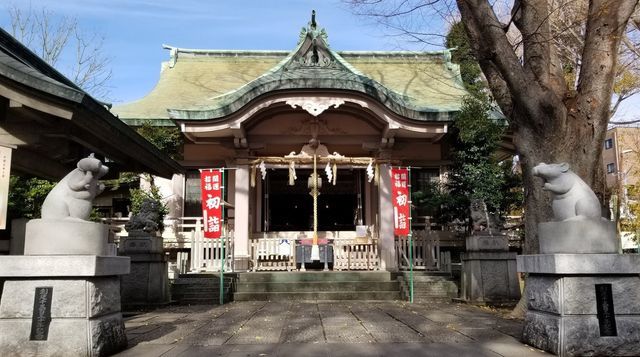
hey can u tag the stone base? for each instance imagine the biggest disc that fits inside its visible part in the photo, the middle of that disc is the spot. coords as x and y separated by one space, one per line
147 283
140 243
489 277
241 263
65 237
562 315
85 314
579 236
487 243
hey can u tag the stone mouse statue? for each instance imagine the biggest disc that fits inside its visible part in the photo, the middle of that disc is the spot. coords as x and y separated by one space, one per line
72 197
573 199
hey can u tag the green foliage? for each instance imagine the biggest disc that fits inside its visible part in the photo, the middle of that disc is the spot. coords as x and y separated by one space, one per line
463 56
475 174
428 200
95 216
124 178
26 195
168 140
138 196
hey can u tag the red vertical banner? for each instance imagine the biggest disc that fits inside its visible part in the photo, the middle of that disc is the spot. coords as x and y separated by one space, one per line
211 186
400 197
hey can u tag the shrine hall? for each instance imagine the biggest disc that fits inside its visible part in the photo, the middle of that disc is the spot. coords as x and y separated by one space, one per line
307 139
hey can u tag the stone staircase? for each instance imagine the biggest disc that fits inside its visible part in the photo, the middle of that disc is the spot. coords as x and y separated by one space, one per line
428 286
316 285
201 289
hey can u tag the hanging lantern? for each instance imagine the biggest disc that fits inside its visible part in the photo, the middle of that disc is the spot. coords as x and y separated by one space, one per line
318 185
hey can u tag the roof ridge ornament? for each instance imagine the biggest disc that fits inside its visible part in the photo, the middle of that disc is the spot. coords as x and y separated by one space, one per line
313 48
312 29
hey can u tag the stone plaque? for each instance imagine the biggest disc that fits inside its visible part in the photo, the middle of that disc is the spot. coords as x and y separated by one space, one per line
41 317
606 315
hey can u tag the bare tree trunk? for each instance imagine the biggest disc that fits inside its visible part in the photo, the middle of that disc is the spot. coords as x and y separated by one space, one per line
550 123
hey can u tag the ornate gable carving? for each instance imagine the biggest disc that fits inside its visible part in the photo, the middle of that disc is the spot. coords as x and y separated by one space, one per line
313 51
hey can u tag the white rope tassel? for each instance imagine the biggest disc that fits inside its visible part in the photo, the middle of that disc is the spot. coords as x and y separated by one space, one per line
328 172
292 173
263 169
370 171
376 175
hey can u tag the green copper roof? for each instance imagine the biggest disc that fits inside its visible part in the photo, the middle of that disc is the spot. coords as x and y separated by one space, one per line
210 84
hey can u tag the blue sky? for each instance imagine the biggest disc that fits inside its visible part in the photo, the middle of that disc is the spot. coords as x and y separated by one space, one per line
135 30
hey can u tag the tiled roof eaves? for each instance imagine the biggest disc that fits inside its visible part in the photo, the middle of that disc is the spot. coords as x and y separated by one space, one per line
21 73
277 81
153 121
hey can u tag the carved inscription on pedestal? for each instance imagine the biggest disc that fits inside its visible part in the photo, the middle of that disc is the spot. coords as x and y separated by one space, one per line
606 314
41 317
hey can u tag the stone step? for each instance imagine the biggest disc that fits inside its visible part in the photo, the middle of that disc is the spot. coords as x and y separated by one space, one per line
201 301
444 289
318 286
188 287
201 289
199 295
201 281
313 276
317 295
206 275
428 279
210 284
427 272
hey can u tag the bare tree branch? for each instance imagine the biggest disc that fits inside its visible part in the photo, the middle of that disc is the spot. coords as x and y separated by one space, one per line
60 42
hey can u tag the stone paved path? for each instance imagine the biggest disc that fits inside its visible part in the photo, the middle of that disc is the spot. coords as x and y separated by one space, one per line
308 328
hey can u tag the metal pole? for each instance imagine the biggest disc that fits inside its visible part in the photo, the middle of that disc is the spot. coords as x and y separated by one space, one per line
222 243
410 239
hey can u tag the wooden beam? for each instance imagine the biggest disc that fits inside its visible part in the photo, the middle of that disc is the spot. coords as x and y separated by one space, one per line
34 102
29 162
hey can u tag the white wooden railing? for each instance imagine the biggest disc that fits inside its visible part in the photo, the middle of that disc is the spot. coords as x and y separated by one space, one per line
207 254
356 254
271 254
277 250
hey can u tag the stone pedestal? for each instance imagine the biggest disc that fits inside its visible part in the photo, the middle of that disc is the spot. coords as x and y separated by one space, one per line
64 237
579 236
489 271
583 304
148 282
61 305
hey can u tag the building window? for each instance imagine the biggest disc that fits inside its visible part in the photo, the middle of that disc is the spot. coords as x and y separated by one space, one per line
608 144
611 168
192 194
